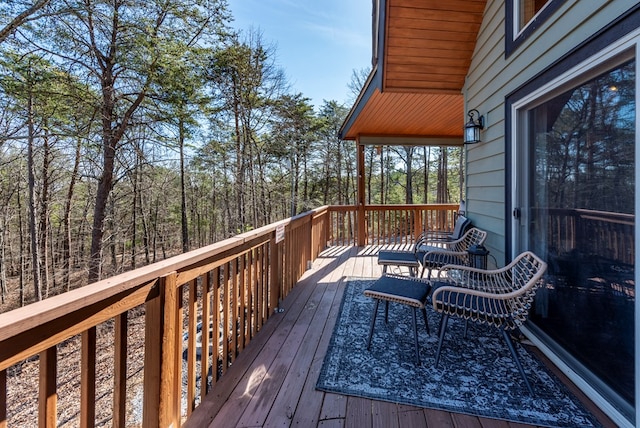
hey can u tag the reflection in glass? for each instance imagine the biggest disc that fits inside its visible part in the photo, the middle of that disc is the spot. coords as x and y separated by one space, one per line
582 222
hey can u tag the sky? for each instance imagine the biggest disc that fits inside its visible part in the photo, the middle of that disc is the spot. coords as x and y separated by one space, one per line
318 43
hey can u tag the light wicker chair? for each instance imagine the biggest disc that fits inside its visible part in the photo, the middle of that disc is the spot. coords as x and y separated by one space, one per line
438 254
499 298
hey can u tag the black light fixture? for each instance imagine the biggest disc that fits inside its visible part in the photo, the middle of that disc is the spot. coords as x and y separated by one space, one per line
473 127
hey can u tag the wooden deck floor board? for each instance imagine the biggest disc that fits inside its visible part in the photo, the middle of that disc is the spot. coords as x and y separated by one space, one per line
287 401
272 382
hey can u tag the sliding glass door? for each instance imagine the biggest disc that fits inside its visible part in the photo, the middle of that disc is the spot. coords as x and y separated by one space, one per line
576 190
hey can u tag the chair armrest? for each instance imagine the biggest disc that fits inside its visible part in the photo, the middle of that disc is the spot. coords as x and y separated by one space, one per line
445 257
467 291
437 236
495 282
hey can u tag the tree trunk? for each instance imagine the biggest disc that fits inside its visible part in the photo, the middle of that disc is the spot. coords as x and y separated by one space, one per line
66 245
382 181
3 265
409 176
33 229
443 190
183 190
427 159
43 227
134 212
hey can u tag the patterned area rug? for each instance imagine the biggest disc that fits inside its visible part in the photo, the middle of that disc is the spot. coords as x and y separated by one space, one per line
475 376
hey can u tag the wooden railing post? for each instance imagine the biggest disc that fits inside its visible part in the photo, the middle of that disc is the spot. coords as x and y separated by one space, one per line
417 223
152 359
88 379
48 401
361 238
162 385
3 399
120 371
275 280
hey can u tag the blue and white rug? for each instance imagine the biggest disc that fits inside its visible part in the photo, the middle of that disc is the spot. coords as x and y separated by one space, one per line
475 376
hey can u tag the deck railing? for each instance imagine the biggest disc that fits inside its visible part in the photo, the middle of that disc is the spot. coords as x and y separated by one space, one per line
390 224
596 234
154 340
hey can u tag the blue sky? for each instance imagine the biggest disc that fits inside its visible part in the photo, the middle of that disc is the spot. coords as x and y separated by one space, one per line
318 42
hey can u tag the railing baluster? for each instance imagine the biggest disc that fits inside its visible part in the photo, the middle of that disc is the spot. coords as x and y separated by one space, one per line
234 310
206 331
260 288
274 269
225 315
176 353
253 295
191 345
217 326
48 401
88 379
120 371
242 341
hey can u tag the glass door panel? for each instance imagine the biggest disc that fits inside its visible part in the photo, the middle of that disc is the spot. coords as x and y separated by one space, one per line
581 187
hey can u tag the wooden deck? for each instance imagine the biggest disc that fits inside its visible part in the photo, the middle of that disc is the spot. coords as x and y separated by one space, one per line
272 382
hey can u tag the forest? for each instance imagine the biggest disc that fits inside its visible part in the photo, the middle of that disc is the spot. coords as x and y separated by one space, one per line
134 130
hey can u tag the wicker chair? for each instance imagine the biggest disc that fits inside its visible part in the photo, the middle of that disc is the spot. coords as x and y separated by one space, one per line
438 254
499 298
426 240
459 228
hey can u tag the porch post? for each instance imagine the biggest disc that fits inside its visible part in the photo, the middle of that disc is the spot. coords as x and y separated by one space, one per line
361 212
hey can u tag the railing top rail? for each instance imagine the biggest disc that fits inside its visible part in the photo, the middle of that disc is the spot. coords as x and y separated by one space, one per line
18 320
411 206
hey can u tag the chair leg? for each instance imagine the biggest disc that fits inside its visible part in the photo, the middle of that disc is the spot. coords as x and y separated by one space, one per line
443 328
373 323
415 335
386 312
514 354
426 321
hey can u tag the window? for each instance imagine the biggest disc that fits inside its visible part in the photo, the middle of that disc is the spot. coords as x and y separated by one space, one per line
523 17
525 10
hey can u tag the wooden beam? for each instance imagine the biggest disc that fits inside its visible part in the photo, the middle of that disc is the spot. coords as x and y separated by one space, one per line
408 140
361 196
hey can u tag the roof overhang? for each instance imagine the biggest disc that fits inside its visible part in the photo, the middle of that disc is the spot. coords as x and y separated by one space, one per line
422 56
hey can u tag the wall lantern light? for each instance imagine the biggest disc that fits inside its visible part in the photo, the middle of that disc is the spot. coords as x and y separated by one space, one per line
473 127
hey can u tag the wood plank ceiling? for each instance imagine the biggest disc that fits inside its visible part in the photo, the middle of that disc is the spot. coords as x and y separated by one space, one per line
415 89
